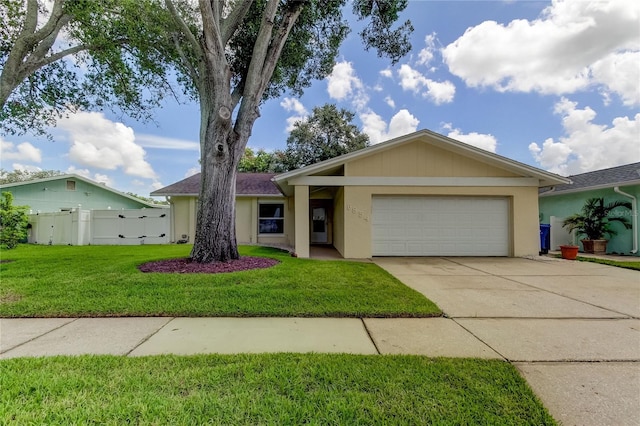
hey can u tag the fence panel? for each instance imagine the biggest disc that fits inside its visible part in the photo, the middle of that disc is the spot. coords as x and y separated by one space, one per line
130 227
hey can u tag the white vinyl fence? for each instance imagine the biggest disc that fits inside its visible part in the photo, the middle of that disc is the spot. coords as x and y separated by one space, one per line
559 235
100 227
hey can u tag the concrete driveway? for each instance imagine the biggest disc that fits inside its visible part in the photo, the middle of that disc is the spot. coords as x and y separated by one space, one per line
571 328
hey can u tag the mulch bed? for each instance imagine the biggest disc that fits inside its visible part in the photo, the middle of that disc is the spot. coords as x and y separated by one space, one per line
186 266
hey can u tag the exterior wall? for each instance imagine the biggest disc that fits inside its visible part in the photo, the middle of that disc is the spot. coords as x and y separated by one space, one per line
184 211
525 232
418 159
53 196
183 218
563 205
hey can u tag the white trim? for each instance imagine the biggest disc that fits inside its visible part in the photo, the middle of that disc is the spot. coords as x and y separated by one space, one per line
589 188
411 181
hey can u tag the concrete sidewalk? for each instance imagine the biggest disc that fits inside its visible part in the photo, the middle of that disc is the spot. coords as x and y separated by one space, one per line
186 336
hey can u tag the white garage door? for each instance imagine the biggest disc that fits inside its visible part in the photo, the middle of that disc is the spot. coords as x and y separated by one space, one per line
440 226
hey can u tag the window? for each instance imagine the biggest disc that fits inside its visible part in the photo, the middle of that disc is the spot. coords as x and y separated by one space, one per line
271 218
71 185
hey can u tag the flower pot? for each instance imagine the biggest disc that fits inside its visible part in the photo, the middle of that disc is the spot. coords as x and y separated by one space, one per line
594 246
569 252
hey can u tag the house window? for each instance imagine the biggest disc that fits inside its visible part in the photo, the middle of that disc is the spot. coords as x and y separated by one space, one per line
71 185
271 218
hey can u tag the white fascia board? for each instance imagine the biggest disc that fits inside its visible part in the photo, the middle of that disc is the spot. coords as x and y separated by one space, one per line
412 181
590 188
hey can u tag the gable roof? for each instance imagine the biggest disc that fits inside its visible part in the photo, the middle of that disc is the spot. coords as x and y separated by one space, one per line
545 178
257 184
628 174
84 179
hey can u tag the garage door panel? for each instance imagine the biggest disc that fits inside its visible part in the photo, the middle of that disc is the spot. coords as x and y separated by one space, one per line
440 226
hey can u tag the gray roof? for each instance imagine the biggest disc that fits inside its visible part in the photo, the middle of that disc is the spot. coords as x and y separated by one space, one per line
628 174
246 184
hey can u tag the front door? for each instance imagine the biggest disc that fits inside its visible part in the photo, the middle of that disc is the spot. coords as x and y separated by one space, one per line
319 225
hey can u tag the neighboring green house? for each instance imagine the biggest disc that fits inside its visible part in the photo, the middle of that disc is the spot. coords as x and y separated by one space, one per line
616 183
70 191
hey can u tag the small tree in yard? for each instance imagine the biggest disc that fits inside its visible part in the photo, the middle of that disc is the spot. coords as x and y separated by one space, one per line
13 222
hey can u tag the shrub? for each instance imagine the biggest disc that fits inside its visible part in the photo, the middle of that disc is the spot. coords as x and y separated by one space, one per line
13 222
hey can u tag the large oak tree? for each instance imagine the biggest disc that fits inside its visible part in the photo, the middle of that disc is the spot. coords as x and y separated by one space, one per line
230 55
239 53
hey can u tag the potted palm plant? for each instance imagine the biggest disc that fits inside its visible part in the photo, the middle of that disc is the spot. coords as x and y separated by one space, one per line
594 222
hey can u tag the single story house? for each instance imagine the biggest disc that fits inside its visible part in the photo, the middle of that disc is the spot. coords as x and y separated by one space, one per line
69 192
421 194
616 183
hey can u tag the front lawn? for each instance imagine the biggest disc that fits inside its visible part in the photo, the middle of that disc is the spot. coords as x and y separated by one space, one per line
99 281
278 389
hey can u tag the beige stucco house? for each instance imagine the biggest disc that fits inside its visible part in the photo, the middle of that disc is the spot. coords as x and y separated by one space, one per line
422 194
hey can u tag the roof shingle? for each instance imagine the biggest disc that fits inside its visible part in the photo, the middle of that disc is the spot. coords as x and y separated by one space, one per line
627 174
246 184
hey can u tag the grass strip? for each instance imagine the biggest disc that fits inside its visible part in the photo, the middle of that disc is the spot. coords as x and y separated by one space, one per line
634 265
266 389
103 281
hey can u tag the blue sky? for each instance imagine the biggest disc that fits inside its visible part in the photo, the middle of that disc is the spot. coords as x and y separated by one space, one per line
552 84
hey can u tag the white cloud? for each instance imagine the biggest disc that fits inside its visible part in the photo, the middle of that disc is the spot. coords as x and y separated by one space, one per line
427 54
26 167
24 151
488 142
192 171
387 73
416 82
390 102
104 144
295 106
376 128
588 146
572 46
86 173
154 141
343 84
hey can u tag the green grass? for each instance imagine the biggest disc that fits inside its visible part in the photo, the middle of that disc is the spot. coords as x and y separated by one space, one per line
275 389
99 281
635 265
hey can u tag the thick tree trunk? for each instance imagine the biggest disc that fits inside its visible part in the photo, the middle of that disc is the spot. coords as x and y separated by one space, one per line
215 239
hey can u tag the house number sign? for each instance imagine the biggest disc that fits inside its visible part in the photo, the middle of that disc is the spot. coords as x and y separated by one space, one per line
359 212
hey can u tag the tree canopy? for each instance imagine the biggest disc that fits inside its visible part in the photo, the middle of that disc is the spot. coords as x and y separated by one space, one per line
26 175
64 56
327 133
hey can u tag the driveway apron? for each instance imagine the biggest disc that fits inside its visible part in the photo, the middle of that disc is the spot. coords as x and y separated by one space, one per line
571 328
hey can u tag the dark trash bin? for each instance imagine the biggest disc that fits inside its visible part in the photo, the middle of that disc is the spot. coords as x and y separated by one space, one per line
545 238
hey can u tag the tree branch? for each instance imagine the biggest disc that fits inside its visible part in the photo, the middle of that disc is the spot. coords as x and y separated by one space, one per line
254 77
193 73
211 30
50 27
275 50
32 66
184 27
30 19
231 23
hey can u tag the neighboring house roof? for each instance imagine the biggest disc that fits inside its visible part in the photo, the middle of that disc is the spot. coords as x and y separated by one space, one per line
628 174
78 177
436 139
258 184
